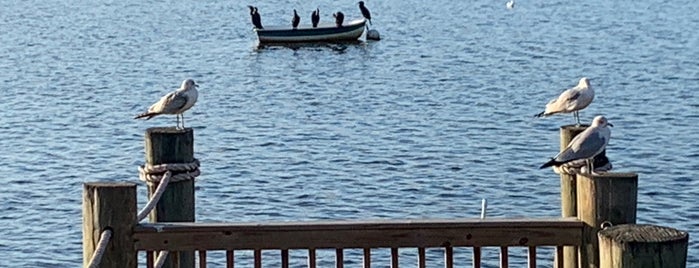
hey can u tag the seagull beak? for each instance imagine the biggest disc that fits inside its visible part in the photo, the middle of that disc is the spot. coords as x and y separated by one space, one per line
610 124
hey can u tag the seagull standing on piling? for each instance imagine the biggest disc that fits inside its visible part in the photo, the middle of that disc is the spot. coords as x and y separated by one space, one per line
571 100
365 11
176 102
586 145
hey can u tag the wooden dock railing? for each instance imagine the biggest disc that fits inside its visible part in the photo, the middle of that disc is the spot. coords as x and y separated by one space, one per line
595 201
366 235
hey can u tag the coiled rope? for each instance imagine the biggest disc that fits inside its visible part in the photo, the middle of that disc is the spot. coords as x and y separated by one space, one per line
101 247
580 167
162 174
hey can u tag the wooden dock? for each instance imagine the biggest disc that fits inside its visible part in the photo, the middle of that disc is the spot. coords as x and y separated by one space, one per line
596 202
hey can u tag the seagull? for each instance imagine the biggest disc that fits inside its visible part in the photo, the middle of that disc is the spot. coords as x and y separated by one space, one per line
256 20
571 100
365 11
315 17
510 4
586 145
339 18
296 20
176 102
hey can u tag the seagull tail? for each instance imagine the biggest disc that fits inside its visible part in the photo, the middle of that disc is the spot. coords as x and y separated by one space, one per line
541 114
147 115
551 162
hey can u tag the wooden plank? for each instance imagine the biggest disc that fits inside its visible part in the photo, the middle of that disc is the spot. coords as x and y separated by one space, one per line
504 257
230 259
312 258
421 258
258 258
150 259
202 258
476 257
560 257
285 258
358 234
367 257
394 257
339 258
532 257
448 257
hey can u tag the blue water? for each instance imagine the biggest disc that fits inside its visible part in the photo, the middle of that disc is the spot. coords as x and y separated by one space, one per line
422 124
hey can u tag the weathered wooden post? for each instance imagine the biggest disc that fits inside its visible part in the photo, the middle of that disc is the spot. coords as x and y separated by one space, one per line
608 198
165 146
569 194
642 246
113 206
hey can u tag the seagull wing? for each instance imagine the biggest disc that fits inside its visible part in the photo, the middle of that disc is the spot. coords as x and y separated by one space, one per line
170 103
585 145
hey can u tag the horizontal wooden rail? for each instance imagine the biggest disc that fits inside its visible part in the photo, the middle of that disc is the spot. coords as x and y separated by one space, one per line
359 234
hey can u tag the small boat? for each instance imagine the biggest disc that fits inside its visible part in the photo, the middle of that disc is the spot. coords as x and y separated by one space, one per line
325 32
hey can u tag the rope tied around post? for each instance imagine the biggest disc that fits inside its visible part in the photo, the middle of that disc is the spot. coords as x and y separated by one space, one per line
100 248
580 167
153 174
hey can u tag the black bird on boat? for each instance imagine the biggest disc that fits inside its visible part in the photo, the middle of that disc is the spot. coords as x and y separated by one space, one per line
339 18
365 11
296 20
256 20
315 17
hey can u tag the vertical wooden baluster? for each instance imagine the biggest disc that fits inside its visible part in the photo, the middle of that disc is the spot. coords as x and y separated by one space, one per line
449 257
202 258
339 258
504 262
311 258
150 259
421 257
559 257
394 257
285 258
258 258
175 255
476 257
532 257
230 259
367 258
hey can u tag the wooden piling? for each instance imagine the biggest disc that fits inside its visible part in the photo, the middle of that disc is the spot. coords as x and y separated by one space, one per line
606 198
113 206
172 145
569 194
647 246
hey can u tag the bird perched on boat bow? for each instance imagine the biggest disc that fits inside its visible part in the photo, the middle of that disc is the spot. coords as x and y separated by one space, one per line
176 102
586 145
571 100
256 20
295 20
315 17
365 11
339 18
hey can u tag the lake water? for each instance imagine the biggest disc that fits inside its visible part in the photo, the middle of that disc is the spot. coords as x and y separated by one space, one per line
422 124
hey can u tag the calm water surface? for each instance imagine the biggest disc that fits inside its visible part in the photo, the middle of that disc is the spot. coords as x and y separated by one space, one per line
423 124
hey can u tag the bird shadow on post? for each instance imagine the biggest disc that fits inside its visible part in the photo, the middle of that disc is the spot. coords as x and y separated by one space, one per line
166 145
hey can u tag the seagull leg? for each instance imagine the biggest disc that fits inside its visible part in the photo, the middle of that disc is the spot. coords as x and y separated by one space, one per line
182 120
178 121
577 117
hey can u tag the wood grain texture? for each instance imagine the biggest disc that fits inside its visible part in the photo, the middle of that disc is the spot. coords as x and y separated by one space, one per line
632 245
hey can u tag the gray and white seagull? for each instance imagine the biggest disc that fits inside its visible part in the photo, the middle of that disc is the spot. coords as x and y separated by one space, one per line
571 100
586 145
176 102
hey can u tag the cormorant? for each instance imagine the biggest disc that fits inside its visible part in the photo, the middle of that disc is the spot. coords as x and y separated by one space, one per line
296 20
315 17
339 18
256 21
365 11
